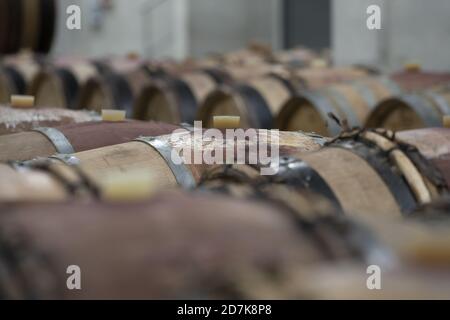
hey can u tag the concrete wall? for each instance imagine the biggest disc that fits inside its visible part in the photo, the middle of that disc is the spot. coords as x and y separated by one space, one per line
119 31
412 30
218 25
175 28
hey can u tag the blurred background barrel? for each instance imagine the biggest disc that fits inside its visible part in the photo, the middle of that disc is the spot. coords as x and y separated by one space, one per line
369 101
319 76
16 74
119 81
175 98
353 101
258 100
106 90
27 24
412 110
58 84
149 240
415 79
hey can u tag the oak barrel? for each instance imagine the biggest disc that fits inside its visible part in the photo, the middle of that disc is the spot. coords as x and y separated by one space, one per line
119 83
419 80
153 155
105 91
27 24
16 74
348 281
77 137
175 99
255 101
170 246
412 110
433 144
373 172
317 77
352 101
58 85
17 120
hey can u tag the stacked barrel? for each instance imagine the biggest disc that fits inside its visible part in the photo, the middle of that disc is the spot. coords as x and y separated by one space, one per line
96 177
27 24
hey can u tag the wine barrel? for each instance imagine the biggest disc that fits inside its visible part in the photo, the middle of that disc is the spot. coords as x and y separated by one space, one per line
353 101
368 172
58 86
136 72
16 74
155 155
317 77
168 247
176 99
412 110
433 144
10 15
437 212
119 83
44 181
255 101
17 120
9 85
71 138
105 90
295 58
254 54
418 80
27 24
410 240
347 281
247 72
